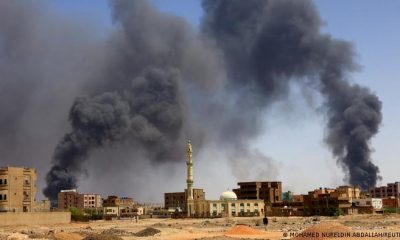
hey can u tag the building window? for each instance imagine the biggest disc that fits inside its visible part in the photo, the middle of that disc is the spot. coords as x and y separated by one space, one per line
242 207
1 181
5 197
1 197
5 181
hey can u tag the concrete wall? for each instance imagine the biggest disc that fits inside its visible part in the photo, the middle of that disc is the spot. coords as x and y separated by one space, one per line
34 218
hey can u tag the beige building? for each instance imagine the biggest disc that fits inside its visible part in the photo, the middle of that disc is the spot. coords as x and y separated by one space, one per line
347 192
122 211
230 206
110 211
115 201
123 207
17 189
86 201
71 198
42 206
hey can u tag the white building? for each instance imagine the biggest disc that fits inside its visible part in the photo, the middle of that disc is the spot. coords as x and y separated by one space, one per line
376 203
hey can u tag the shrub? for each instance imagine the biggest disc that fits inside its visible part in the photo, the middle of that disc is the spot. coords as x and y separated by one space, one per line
78 215
389 210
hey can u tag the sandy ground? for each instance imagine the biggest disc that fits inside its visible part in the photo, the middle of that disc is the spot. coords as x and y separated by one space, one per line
216 229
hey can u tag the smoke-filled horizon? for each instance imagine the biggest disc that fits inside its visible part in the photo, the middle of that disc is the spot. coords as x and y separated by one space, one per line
155 82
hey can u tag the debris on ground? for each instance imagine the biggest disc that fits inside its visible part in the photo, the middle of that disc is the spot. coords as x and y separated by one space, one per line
244 230
325 227
67 236
161 225
117 232
147 232
102 236
35 235
222 238
17 236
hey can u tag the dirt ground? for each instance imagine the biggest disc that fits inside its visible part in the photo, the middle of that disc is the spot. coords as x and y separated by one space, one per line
343 227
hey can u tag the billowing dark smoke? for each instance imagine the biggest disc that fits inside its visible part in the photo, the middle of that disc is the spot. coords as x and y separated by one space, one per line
148 114
268 44
137 98
154 81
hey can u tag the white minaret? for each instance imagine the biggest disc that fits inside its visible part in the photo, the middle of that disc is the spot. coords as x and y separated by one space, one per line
189 180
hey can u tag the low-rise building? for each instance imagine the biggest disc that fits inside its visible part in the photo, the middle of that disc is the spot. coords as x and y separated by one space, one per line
347 192
121 207
115 201
294 208
42 206
110 211
230 206
390 202
375 203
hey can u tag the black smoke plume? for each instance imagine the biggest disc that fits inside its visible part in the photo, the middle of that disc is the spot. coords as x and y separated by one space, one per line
148 113
154 82
137 98
268 44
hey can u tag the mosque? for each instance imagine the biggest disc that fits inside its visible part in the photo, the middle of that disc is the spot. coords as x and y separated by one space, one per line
192 201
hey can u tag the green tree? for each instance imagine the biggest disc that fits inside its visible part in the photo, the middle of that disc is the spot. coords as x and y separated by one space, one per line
77 215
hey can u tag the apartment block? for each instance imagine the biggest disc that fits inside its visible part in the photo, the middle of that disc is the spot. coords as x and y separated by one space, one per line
71 198
67 199
17 189
175 200
270 192
390 190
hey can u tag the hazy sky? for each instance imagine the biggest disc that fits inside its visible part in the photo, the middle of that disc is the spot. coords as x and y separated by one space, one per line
373 28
